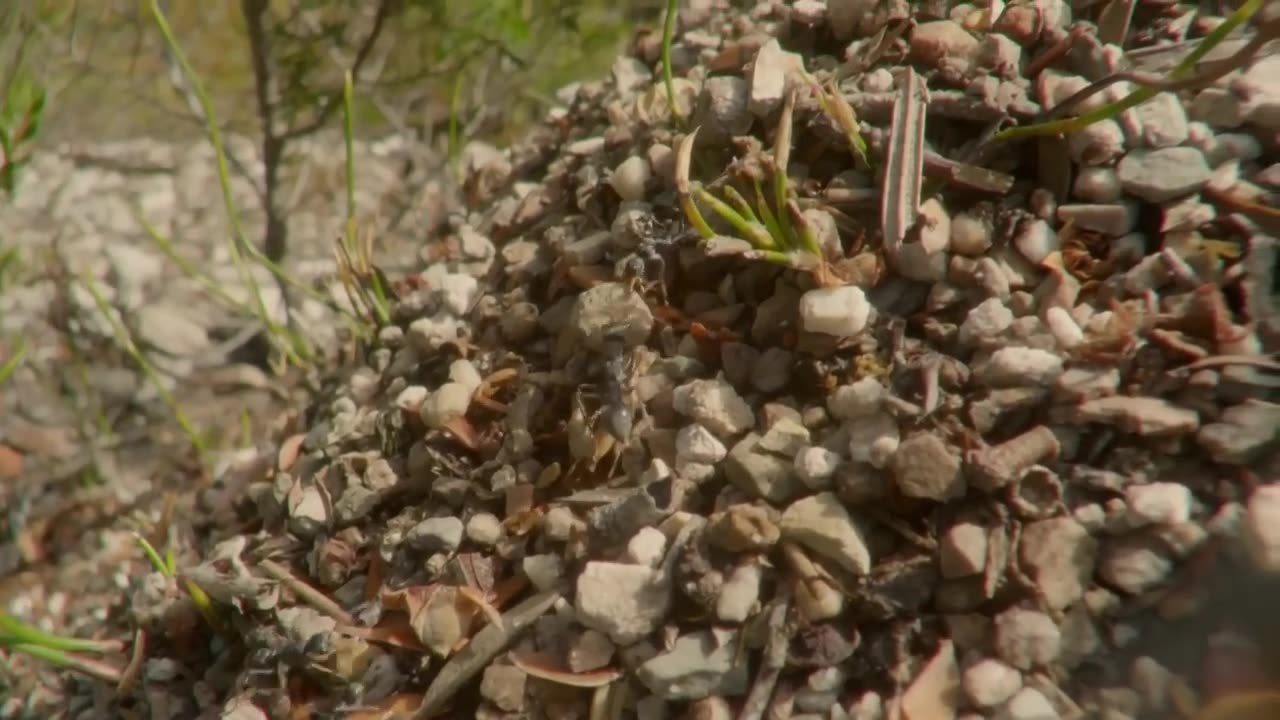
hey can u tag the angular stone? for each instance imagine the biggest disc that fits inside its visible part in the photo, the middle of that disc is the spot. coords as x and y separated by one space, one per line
698 665
822 524
1026 638
963 550
1059 555
759 473
606 308
1243 433
1165 174
624 601
1146 416
924 467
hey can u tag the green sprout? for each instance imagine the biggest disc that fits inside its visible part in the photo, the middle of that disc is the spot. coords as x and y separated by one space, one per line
775 226
294 346
64 652
168 566
364 284
8 367
124 339
21 110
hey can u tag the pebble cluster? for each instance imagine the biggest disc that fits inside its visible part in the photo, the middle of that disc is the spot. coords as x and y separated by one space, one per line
594 471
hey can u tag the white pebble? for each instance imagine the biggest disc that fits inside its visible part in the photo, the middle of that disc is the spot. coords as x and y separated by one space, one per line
1097 185
696 444
450 401
459 292
815 466
989 682
630 177
881 450
463 372
484 529
1028 704
411 398
1063 327
838 311
971 233
987 321
739 593
1020 366
1036 240
857 399
1165 503
646 547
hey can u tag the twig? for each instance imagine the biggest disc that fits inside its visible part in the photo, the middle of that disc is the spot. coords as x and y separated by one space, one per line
486 645
308 594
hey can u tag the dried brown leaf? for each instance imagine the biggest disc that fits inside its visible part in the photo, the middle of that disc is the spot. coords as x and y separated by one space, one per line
477 598
289 451
393 629
487 643
545 667
393 707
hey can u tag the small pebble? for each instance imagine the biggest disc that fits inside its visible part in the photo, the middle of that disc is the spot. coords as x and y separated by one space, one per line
1165 503
484 529
840 311
815 466
989 682
442 534
647 547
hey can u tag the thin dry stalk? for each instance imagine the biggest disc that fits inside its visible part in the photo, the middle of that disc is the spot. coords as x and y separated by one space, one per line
904 162
308 594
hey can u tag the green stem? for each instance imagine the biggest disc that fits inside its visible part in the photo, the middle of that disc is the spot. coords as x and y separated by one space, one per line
16 632
1142 94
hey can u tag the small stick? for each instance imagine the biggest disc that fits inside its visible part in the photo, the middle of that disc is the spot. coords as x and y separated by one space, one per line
308 594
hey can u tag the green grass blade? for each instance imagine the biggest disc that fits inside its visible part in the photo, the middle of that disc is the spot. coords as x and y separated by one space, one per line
126 343
149 550
753 232
11 365
766 214
16 632
294 345
1142 94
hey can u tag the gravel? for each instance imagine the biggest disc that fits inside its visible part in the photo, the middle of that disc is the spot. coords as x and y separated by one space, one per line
1004 432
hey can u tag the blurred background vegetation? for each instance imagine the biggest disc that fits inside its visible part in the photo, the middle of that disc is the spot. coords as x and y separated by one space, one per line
482 67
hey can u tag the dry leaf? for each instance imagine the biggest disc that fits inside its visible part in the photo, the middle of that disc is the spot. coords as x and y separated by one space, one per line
547 668
289 451
394 630
477 598
434 613
395 706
